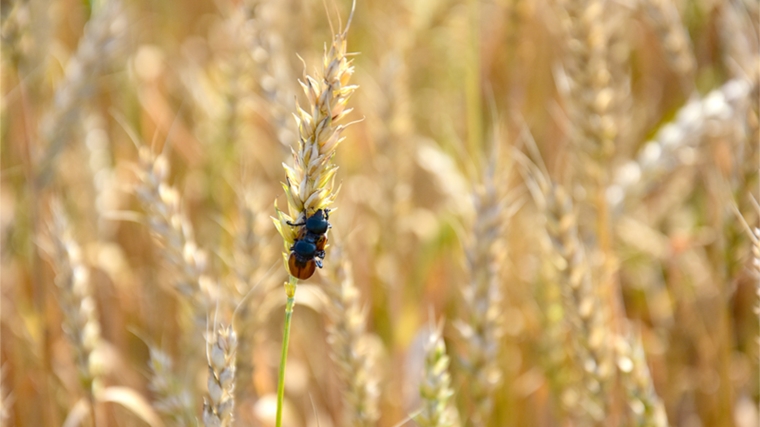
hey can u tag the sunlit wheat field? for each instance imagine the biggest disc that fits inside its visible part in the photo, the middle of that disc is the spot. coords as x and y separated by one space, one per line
388 213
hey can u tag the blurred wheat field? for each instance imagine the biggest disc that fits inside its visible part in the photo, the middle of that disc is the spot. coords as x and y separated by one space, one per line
547 214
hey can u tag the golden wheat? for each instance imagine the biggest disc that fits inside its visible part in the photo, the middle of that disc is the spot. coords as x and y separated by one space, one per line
221 352
623 296
435 389
482 326
310 181
100 45
351 348
78 304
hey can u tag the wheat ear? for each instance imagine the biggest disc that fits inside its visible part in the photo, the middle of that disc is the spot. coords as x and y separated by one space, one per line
275 78
585 314
171 397
644 403
435 388
676 144
172 228
664 17
591 95
221 351
100 45
81 324
310 181
481 328
583 304
350 350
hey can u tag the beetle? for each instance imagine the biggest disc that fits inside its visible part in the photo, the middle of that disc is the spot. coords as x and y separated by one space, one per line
317 224
308 251
302 261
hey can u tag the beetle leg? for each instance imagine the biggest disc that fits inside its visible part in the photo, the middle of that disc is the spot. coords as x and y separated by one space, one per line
318 262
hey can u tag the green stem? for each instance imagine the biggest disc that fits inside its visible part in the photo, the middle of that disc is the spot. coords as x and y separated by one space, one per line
290 289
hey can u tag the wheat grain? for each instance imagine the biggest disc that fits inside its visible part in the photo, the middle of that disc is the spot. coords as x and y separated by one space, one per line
595 109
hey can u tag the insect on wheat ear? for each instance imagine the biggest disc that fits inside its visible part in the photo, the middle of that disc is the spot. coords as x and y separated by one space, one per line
308 251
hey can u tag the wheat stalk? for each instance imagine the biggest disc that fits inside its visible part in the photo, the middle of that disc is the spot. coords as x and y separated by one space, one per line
221 351
350 349
248 258
435 388
754 237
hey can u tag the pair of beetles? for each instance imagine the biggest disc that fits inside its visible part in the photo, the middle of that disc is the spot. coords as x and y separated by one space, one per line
308 251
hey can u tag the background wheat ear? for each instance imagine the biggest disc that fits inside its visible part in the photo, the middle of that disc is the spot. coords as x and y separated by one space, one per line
482 324
350 346
172 228
218 408
77 300
101 45
644 404
172 398
435 389
585 384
